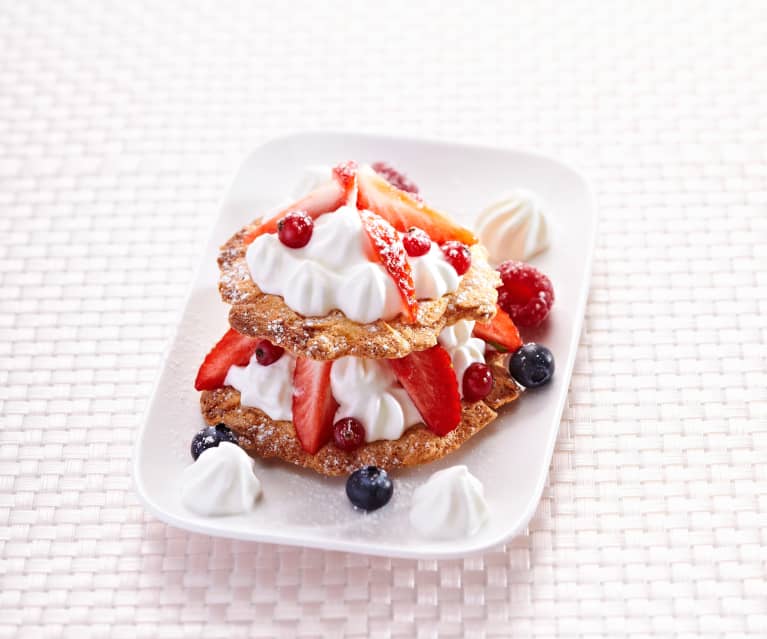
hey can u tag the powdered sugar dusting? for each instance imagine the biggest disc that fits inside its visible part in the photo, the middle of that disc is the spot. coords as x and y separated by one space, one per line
334 335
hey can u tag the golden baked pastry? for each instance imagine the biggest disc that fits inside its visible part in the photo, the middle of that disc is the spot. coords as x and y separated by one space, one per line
258 314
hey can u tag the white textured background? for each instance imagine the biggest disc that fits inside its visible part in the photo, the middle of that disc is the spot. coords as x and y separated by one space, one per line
120 124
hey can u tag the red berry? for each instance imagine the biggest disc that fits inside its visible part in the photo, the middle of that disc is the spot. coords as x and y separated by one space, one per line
477 382
525 294
416 242
394 177
348 434
295 229
268 353
458 255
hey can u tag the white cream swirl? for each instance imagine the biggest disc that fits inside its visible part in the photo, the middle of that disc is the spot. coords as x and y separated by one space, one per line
464 349
514 228
268 388
433 276
367 390
220 482
449 505
333 272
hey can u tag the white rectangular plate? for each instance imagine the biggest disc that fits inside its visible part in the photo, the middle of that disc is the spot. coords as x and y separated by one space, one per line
511 456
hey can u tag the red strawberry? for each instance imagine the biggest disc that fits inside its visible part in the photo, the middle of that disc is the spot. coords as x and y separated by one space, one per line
325 198
232 349
346 176
403 211
429 378
500 332
313 404
390 252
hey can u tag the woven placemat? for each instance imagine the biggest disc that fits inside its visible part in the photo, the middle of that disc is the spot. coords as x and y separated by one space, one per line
120 124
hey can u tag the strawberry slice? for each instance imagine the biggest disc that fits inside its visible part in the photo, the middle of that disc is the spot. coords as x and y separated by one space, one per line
501 332
389 250
429 378
345 174
313 404
233 349
403 211
325 198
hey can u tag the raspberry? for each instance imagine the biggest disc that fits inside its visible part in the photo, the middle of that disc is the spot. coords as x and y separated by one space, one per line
268 353
458 255
477 382
525 294
394 177
295 229
348 433
416 242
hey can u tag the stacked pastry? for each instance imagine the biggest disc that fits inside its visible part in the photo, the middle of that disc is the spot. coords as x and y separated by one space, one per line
364 330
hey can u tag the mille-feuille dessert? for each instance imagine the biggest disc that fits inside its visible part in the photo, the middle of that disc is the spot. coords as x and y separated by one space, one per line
365 331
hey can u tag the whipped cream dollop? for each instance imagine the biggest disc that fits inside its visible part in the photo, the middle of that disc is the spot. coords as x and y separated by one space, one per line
333 271
268 388
449 505
221 482
464 349
433 276
364 388
313 176
514 228
368 390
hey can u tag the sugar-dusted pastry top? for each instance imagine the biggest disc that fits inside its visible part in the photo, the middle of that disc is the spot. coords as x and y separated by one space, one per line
334 335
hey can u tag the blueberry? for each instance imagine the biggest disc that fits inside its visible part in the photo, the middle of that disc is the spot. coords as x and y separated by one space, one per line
532 365
369 488
210 437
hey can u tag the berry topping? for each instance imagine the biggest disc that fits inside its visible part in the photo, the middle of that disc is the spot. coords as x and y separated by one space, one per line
458 255
324 199
369 488
429 378
390 252
416 242
295 229
232 349
525 294
348 433
500 332
532 365
477 382
268 353
394 177
210 437
313 404
402 210
346 175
